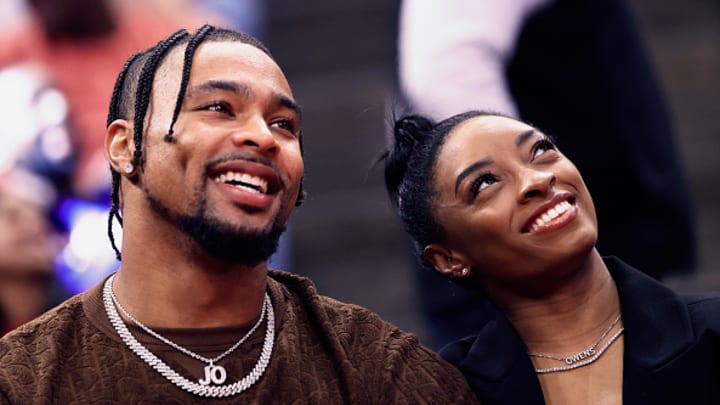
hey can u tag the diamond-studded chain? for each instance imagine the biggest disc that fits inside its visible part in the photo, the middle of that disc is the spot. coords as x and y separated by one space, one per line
217 391
182 349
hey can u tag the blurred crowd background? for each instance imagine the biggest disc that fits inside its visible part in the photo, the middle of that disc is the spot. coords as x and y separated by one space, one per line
341 60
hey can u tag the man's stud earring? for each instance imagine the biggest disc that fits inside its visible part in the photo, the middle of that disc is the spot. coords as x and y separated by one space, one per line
128 168
464 272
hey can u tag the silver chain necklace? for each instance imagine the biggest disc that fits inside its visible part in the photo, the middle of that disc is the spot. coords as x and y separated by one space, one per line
584 357
213 373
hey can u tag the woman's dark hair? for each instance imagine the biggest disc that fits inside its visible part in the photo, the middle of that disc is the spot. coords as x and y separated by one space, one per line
410 173
131 95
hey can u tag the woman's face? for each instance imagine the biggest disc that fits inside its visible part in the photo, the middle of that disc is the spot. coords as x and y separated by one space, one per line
511 205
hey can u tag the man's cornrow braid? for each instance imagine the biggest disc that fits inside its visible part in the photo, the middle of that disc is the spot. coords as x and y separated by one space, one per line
114 213
195 41
114 111
113 114
145 82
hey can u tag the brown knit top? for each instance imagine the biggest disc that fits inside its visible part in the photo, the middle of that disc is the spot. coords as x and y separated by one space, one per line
326 352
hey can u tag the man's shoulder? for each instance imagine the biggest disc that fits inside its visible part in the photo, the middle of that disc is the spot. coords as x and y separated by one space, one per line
343 317
368 348
37 337
357 330
46 357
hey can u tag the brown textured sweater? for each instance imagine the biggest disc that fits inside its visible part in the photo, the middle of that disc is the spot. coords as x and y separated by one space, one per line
326 352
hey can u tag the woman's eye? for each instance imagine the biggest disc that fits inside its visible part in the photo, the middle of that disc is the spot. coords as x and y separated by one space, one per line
482 182
542 146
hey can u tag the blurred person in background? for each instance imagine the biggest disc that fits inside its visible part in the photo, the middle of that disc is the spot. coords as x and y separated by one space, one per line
82 42
28 245
578 70
36 161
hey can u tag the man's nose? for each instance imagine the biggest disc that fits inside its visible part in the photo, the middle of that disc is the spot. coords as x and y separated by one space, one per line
255 133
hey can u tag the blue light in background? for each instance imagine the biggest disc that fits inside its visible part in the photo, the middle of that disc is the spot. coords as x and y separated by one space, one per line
87 257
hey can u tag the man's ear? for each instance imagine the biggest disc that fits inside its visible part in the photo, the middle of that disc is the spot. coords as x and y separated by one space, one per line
446 261
119 146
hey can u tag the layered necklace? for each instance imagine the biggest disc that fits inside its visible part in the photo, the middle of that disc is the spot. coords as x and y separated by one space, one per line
215 375
584 357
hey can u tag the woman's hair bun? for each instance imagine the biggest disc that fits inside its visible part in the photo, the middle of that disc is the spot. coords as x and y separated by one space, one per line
408 133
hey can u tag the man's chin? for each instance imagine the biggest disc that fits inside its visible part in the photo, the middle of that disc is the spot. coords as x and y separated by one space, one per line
232 244
228 242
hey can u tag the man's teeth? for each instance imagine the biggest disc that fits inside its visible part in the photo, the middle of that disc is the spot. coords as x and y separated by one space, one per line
245 181
550 214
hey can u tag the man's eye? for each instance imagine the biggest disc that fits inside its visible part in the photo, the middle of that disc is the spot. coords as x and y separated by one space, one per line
218 106
287 125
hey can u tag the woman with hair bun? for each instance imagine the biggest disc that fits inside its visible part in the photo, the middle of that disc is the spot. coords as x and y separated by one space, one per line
492 203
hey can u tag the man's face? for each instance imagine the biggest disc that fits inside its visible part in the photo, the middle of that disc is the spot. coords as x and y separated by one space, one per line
230 175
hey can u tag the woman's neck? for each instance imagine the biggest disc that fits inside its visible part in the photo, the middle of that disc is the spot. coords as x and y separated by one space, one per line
570 318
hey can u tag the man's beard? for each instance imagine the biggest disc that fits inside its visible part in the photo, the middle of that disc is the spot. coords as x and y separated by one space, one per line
231 244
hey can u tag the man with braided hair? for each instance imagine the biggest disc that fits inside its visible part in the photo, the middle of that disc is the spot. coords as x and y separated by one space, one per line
203 140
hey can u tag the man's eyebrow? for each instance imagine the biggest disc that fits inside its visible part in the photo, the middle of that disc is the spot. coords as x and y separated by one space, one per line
473 167
524 137
210 85
287 102
242 90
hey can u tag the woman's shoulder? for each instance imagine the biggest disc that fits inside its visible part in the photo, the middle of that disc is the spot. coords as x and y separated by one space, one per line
704 309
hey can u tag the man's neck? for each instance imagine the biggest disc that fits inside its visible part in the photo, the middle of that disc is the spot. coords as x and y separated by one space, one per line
175 292
167 280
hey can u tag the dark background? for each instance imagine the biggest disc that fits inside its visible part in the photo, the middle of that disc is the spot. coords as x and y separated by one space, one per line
339 57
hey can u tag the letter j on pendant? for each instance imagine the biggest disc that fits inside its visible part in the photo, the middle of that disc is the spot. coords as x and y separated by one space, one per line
215 374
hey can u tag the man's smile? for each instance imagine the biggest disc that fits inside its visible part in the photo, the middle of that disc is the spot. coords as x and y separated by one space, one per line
245 181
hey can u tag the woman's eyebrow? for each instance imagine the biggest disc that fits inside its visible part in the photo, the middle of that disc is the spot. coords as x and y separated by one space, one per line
473 167
524 137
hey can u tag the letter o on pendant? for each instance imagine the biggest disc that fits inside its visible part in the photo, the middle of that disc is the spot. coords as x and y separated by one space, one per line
218 374
215 374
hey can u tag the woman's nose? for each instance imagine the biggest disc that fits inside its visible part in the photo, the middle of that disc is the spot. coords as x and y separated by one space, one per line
535 183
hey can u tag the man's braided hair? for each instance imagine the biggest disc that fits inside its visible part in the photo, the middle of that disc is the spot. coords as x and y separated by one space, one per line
133 87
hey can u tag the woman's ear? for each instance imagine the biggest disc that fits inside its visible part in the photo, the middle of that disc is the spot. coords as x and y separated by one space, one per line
446 261
119 147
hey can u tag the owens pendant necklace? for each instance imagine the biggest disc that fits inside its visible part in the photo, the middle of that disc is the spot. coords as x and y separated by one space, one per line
584 357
